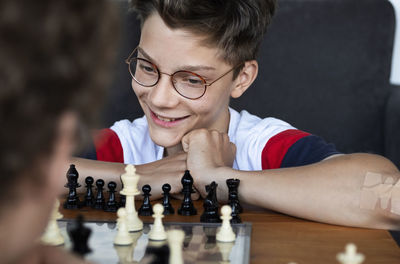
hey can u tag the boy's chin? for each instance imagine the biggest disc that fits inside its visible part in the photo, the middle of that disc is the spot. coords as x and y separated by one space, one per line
165 141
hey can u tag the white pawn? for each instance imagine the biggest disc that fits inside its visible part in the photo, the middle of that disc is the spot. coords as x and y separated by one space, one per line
225 233
158 232
175 241
350 256
123 237
52 235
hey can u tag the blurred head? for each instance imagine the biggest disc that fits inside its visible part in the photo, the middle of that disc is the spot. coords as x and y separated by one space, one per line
207 46
54 63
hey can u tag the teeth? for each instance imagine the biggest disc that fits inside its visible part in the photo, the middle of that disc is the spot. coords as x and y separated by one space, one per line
166 119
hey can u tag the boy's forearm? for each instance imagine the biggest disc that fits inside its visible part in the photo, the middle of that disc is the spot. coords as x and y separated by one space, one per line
328 191
108 171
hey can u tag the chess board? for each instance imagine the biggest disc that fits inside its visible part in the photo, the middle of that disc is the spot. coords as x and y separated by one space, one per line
199 245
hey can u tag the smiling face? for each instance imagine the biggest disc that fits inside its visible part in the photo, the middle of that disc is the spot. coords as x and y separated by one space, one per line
170 116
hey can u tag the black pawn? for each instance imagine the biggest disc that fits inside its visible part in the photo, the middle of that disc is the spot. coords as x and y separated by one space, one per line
233 197
187 207
168 209
210 204
79 235
72 201
89 197
111 205
146 208
99 202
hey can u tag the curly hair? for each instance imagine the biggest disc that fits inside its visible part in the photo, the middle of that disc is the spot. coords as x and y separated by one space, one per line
236 27
55 57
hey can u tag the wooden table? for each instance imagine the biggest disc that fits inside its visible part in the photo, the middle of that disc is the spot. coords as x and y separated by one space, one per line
278 238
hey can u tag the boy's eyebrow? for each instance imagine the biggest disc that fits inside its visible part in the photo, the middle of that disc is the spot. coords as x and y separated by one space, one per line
185 67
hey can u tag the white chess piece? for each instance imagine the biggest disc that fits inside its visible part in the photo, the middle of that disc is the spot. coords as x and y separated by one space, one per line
225 233
175 241
350 256
52 235
158 232
123 237
130 180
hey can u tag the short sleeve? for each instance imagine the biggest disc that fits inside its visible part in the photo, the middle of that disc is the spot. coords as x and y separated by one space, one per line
105 146
293 147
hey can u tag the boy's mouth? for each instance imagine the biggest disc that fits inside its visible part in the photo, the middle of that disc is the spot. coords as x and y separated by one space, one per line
166 121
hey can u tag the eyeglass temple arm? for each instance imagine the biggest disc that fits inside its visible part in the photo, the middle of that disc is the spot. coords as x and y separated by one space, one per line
127 60
224 74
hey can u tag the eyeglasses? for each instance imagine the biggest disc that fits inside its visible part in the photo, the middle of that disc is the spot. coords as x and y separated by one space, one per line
188 84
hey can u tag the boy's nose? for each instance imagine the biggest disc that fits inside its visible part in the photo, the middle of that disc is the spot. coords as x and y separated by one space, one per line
163 94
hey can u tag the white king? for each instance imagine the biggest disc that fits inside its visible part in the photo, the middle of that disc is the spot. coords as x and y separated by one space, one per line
130 180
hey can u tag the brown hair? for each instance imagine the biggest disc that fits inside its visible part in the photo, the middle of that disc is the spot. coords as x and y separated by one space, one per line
54 57
236 27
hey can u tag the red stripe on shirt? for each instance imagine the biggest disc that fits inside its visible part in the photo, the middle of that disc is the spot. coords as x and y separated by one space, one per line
277 146
108 147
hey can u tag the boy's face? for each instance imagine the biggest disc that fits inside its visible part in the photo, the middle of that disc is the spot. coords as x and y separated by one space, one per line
171 51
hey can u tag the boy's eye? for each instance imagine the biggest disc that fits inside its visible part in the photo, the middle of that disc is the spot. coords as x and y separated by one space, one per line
147 68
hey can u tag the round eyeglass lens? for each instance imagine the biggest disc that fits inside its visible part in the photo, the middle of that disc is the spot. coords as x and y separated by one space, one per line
144 72
189 84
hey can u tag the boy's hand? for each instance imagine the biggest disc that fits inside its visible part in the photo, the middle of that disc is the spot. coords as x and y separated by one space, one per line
206 151
167 170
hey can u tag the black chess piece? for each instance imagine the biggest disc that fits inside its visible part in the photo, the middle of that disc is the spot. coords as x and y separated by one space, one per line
100 201
187 207
79 235
111 205
146 209
89 197
168 209
72 201
233 197
210 204
122 198
235 213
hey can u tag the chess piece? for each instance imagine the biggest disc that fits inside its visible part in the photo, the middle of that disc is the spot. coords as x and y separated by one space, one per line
52 235
158 232
210 204
100 201
123 237
235 212
225 233
233 186
175 239
187 207
168 209
72 201
79 235
350 256
89 197
111 205
129 180
146 208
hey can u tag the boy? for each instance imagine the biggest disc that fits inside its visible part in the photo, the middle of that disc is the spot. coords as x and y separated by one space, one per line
192 57
54 56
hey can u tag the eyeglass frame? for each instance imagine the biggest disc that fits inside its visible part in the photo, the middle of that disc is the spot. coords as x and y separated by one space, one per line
129 59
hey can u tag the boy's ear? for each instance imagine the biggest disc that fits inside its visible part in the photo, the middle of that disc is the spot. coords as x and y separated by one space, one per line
245 78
